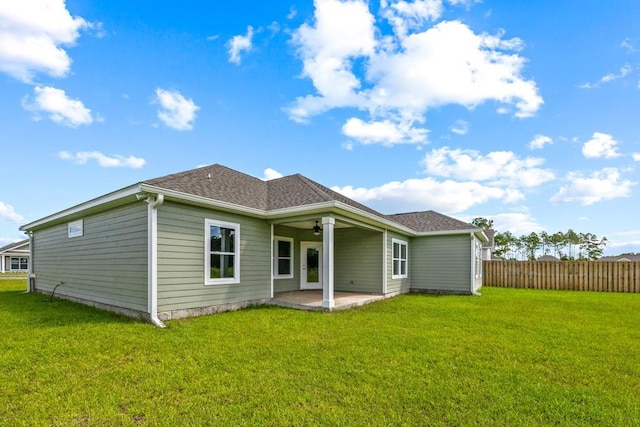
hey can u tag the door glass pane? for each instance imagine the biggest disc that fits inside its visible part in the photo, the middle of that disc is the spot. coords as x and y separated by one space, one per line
313 264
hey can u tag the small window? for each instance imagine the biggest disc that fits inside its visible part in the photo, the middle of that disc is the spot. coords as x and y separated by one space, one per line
283 258
399 259
75 228
222 252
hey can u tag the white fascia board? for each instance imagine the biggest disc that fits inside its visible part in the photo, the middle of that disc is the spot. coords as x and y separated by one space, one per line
94 203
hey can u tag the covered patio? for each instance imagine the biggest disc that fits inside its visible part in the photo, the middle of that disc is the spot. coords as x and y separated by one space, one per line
312 300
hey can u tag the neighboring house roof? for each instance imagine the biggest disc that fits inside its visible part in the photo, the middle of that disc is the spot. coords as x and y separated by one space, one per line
15 246
620 258
221 184
547 258
490 235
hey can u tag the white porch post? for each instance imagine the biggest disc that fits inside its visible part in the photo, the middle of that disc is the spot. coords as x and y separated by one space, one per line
2 265
328 224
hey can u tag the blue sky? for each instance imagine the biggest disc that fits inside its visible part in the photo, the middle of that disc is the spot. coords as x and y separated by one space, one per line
522 112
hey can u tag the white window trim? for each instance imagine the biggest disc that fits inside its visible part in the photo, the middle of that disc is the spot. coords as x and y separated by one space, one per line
207 253
276 239
406 244
75 228
478 259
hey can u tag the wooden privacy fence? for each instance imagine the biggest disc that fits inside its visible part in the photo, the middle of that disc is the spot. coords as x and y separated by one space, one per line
602 276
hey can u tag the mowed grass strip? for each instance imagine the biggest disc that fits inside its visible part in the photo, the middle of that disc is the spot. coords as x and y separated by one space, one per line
510 357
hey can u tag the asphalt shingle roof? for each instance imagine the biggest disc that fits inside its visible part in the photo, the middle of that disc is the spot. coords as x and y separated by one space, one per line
426 221
221 183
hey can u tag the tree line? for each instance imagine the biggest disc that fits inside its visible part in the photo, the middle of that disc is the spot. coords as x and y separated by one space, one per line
570 245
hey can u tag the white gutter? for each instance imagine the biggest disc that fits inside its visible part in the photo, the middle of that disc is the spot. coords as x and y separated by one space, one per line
478 232
473 268
152 253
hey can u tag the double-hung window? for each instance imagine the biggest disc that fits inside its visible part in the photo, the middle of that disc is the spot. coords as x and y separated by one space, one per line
222 252
283 258
399 259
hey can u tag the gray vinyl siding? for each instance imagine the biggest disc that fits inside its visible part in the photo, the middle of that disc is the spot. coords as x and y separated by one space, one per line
441 263
107 264
181 276
398 285
358 256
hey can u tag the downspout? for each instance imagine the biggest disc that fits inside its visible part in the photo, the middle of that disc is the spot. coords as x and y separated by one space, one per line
273 260
384 262
31 275
473 268
152 260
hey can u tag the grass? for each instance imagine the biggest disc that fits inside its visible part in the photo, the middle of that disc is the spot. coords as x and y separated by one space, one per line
510 357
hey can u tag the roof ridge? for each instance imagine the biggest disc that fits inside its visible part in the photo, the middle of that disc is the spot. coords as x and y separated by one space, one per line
164 178
315 186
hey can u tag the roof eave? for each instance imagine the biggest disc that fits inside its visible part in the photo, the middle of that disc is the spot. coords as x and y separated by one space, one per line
76 210
478 233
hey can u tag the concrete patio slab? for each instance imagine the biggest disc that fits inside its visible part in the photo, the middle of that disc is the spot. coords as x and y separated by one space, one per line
312 300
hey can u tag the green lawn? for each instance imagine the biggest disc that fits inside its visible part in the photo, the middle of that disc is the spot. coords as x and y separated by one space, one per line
510 357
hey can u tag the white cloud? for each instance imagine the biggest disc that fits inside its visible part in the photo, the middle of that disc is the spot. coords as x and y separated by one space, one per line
8 213
32 36
624 70
628 46
60 108
270 174
7 240
405 16
343 31
539 141
518 223
503 168
636 157
409 72
601 145
239 44
605 184
384 132
612 76
461 127
429 193
624 238
175 110
115 161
